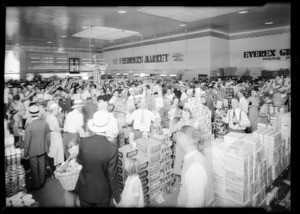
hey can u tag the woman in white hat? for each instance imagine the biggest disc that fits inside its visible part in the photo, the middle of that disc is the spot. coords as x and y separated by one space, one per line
56 150
73 128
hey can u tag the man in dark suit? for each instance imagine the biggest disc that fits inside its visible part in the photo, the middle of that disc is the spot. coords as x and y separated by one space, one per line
88 110
98 182
36 146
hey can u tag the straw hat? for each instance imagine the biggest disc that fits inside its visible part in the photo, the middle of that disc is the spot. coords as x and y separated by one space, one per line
34 110
53 106
77 103
100 122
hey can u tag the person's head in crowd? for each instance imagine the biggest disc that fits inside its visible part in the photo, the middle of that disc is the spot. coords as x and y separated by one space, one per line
34 111
42 91
14 90
240 93
40 102
116 93
169 91
186 113
254 93
73 148
155 94
92 86
187 139
234 103
54 109
89 99
87 87
16 99
131 91
190 92
79 90
183 89
100 98
131 166
78 104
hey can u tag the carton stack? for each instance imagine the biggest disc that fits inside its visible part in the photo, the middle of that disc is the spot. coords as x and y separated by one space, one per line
257 170
150 149
126 152
167 171
216 155
237 172
203 116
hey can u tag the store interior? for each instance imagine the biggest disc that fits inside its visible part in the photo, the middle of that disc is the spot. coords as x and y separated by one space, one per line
214 43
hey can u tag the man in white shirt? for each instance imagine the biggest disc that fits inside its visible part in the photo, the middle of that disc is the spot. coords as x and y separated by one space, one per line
141 118
236 118
73 128
114 98
85 94
243 103
196 183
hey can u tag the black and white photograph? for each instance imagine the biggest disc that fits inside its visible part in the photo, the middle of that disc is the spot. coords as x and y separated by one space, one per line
148 106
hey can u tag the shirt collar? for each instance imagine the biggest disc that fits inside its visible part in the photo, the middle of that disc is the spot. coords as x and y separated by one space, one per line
188 155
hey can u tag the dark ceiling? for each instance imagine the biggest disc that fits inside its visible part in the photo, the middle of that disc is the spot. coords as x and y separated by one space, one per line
34 26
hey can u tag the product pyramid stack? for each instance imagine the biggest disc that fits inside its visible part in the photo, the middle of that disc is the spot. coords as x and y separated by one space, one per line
203 116
167 168
238 170
126 152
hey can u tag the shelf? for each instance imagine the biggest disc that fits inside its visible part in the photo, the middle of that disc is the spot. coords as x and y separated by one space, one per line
279 178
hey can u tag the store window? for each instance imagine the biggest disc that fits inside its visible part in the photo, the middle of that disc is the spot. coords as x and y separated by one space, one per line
12 65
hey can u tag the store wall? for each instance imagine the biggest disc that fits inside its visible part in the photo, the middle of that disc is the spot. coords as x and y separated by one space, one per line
188 57
219 53
277 42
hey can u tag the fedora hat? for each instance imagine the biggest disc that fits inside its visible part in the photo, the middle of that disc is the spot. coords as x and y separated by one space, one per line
34 110
77 103
100 122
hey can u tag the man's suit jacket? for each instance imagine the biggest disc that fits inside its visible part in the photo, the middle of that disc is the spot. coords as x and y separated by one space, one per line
98 180
37 138
88 111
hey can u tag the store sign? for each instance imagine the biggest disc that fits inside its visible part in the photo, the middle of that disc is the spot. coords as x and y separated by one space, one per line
145 59
269 54
177 57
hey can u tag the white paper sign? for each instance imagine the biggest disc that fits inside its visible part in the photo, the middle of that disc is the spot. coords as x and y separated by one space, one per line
131 136
160 198
225 102
159 102
219 104
144 127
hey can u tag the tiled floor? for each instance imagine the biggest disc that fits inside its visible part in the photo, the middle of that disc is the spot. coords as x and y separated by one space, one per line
52 195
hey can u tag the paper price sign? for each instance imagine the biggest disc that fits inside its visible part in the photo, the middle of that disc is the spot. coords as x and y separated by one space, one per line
144 127
131 136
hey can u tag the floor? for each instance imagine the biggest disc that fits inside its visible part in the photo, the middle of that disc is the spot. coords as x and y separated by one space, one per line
52 195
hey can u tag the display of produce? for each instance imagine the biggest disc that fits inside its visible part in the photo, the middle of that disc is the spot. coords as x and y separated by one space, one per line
21 199
14 171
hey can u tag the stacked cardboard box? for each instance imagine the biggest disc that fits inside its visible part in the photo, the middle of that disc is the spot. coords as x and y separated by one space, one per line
237 170
166 163
216 156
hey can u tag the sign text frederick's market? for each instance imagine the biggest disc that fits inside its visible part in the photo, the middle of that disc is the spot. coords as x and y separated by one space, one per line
145 59
269 54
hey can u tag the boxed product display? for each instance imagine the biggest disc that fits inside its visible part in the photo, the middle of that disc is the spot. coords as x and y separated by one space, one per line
232 137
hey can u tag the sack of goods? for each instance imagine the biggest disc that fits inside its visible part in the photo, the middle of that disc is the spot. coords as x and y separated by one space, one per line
68 173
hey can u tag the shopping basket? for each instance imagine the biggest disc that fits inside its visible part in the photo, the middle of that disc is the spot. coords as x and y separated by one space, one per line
68 179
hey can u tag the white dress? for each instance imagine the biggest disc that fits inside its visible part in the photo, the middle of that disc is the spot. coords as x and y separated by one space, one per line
56 150
128 194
